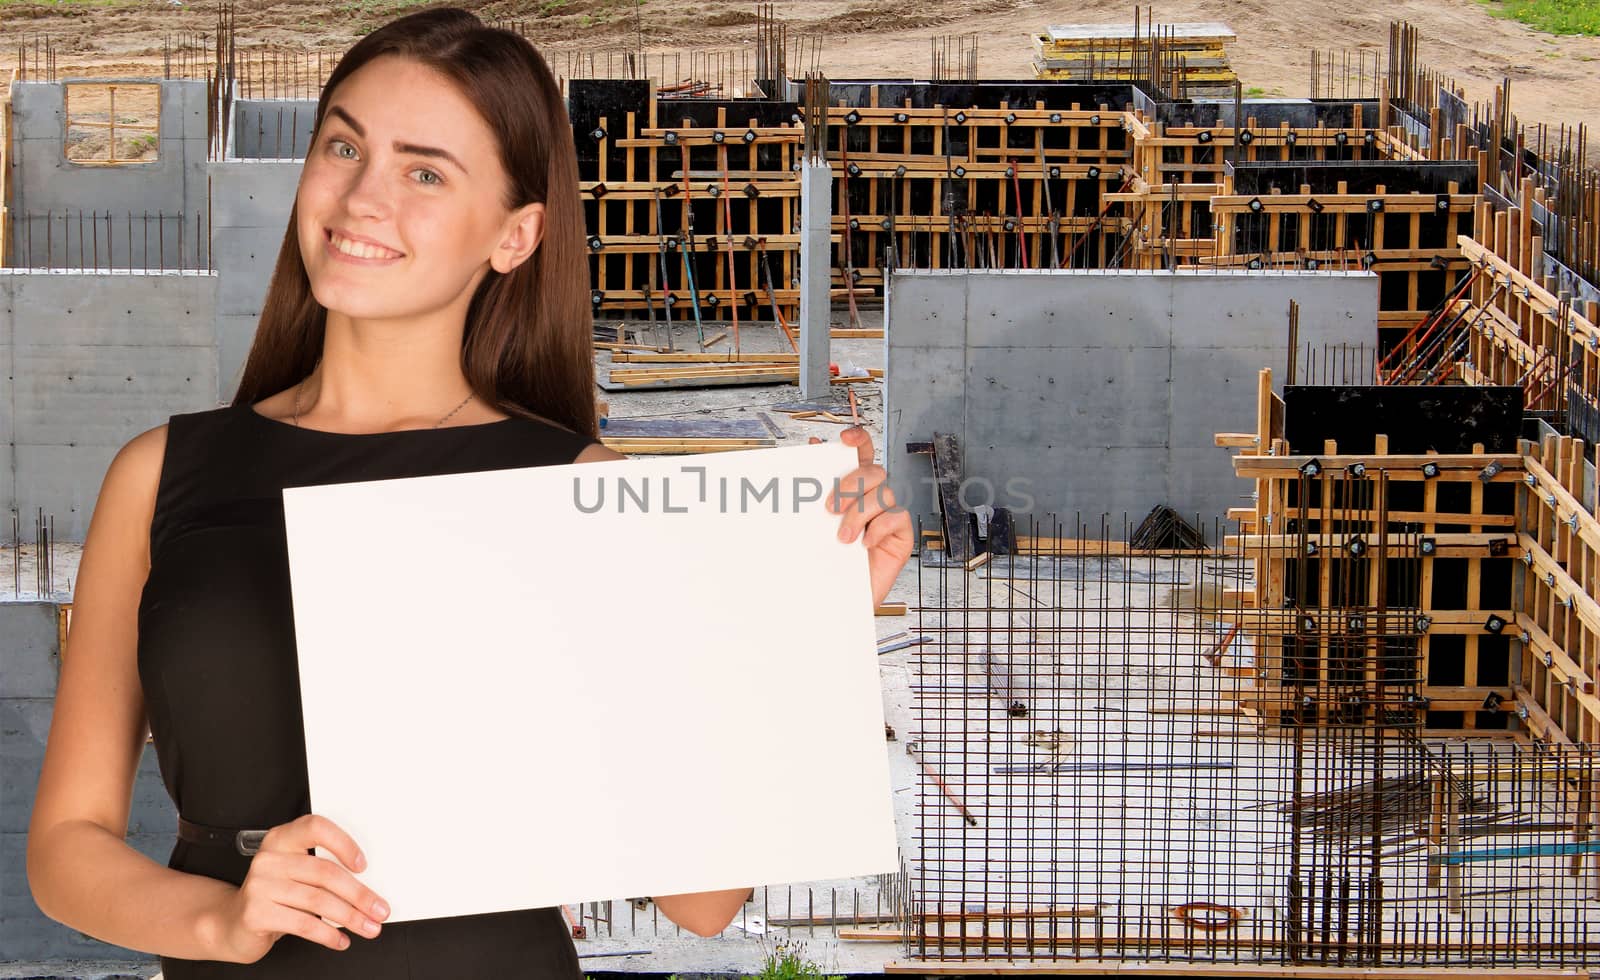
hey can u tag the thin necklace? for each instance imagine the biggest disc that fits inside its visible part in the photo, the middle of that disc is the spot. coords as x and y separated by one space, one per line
448 415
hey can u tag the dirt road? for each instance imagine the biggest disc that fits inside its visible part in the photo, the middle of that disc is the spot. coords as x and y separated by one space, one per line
1554 79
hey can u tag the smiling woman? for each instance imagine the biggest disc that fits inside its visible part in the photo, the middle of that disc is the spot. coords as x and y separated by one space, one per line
428 314
433 185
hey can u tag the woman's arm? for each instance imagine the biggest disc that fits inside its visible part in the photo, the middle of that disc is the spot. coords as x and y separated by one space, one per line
80 869
703 913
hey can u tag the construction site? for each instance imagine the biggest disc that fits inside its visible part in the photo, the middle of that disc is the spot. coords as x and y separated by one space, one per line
1251 629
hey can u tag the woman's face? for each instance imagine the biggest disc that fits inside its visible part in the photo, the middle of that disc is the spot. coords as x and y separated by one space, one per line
401 203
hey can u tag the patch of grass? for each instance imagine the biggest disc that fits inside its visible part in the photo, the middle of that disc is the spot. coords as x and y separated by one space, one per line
1551 16
379 6
601 12
785 962
1253 92
365 15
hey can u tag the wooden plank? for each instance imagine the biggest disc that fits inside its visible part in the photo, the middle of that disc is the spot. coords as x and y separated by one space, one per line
1537 720
1398 467
667 447
691 428
704 357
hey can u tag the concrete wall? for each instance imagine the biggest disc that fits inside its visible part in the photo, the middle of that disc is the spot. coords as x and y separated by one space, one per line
89 362
29 665
45 181
251 204
265 129
1101 389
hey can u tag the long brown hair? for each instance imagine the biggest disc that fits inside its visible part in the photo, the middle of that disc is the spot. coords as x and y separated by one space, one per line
528 343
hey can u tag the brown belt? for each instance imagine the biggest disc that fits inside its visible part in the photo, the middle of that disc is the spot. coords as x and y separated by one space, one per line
246 842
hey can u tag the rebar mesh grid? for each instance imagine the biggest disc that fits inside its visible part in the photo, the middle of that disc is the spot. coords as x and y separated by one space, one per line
1095 783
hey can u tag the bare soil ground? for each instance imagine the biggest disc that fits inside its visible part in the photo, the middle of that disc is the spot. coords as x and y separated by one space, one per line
1553 78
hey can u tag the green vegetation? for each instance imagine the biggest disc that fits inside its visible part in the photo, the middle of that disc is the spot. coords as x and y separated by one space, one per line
1552 16
786 963
375 11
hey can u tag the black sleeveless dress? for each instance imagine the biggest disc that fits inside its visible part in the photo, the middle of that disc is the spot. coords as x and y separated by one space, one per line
221 686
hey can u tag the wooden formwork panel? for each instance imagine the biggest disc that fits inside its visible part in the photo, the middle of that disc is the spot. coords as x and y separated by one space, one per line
1497 630
953 186
1411 241
1557 619
1174 154
721 199
1522 331
1178 170
1429 623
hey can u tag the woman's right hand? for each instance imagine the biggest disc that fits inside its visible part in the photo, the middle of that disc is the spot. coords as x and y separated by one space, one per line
290 892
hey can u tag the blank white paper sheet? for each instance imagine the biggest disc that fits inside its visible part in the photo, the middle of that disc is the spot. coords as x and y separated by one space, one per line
559 684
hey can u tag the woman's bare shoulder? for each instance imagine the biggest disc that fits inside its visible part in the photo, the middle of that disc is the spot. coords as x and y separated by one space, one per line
139 461
129 491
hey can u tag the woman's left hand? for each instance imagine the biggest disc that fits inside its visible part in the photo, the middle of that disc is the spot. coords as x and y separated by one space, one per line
870 513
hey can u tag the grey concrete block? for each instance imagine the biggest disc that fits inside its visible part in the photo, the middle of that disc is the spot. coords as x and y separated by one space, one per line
1097 387
183 109
1110 482
88 310
935 404
27 934
24 729
24 726
235 334
104 396
45 181
64 480
278 129
1072 308
115 245
8 371
55 184
244 259
1251 309
1220 395
28 664
1201 481
930 311
1095 411
252 193
38 110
